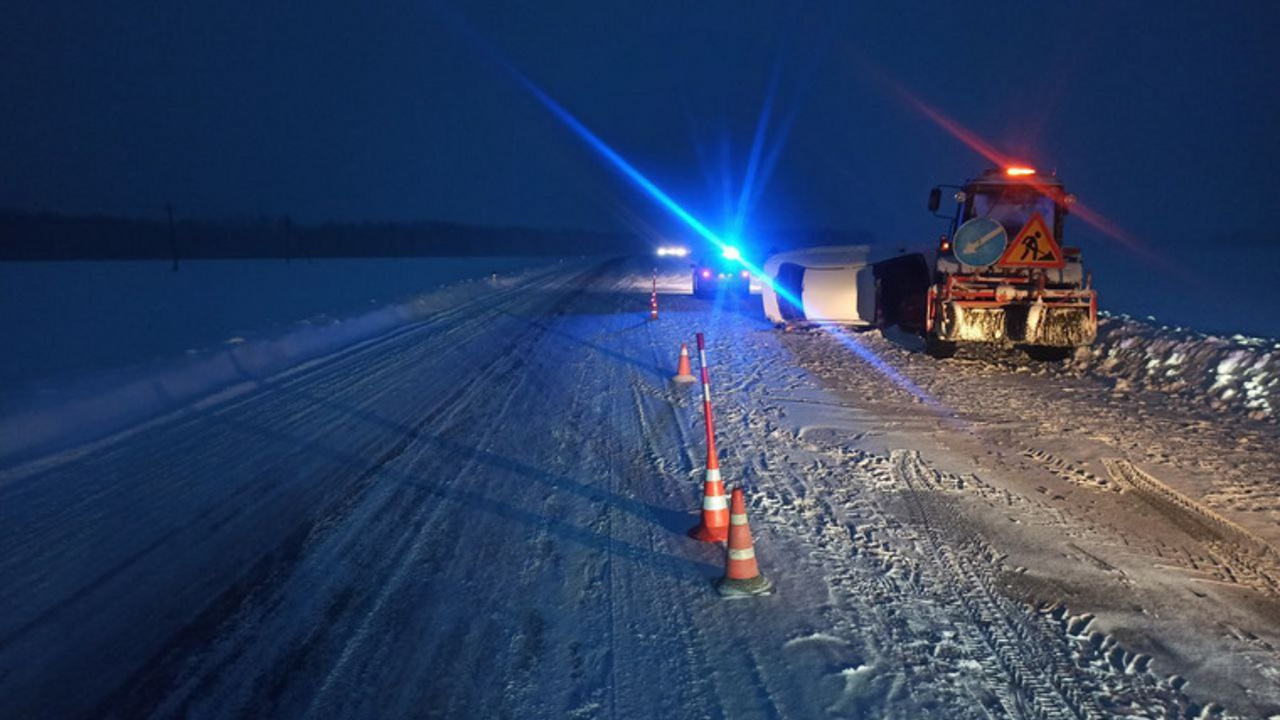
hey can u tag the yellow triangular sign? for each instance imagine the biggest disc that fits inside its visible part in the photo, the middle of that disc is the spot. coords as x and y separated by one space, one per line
1034 247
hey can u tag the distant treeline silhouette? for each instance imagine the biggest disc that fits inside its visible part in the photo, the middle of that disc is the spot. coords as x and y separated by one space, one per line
53 236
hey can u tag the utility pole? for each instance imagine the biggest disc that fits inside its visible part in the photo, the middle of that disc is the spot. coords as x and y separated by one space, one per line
173 236
286 226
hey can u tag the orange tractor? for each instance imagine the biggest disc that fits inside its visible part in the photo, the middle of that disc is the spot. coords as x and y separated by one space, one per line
1002 274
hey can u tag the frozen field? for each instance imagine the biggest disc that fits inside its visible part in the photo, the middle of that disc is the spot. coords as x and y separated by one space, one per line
76 318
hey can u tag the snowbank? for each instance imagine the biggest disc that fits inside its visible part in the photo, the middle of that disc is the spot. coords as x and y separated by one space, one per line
1236 373
41 417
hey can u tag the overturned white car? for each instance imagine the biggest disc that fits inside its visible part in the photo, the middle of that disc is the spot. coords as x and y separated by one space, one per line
857 285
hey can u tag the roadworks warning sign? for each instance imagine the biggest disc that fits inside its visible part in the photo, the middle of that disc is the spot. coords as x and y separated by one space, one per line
1033 247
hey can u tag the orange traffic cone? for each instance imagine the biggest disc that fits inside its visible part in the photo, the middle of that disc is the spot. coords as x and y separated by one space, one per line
742 576
715 511
684 373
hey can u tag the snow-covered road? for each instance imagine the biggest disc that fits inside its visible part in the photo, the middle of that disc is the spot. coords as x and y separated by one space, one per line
483 515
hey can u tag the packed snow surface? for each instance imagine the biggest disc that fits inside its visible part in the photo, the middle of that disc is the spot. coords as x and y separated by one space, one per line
480 510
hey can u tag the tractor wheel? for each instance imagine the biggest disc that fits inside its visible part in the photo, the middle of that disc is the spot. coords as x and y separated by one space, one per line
1048 353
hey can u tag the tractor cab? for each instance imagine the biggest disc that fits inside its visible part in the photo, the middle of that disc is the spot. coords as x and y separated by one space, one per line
1010 198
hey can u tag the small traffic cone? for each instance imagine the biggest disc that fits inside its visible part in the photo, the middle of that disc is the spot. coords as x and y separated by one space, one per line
715 511
684 373
653 299
742 576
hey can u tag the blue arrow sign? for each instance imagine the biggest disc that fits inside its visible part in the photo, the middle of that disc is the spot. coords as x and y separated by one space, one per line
979 242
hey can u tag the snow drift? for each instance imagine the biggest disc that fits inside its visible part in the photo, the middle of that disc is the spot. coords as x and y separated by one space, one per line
41 417
1236 373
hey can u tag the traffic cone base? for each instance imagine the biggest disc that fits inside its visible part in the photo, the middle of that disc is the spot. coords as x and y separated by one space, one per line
684 373
731 589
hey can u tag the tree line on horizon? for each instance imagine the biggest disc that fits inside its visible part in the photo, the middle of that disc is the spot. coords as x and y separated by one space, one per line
29 236
54 236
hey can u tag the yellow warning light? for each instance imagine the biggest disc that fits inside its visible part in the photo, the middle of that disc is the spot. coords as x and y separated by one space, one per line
1018 171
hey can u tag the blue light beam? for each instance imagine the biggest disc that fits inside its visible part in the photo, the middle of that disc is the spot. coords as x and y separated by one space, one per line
884 368
583 132
627 169
757 147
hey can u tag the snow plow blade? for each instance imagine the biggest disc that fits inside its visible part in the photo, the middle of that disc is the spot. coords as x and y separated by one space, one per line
1032 324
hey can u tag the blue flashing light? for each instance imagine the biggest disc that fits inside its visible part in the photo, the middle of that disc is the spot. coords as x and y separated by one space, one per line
730 252
756 169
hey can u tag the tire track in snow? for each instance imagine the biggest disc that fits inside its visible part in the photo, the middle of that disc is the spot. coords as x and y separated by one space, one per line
269 569
1237 556
928 559
999 630
637 616
657 423
657 624
1003 414
464 457
1098 678
502 373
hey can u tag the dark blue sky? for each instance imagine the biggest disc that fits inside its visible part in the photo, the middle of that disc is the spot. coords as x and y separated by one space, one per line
1162 117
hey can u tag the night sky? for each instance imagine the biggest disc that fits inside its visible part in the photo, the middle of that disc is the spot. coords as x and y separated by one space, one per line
1164 118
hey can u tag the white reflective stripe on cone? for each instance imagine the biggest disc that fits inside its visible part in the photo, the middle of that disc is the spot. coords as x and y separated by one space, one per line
737 519
715 502
748 554
713 474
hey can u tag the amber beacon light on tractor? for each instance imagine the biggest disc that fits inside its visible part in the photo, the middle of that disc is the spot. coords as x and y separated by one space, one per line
1002 274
